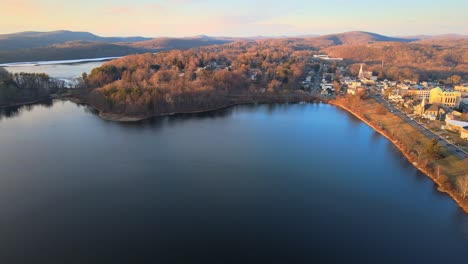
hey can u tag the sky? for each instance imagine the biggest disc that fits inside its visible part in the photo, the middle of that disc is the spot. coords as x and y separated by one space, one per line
177 18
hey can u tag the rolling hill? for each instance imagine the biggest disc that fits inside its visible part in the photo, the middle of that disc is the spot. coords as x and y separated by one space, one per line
158 44
32 39
354 38
68 51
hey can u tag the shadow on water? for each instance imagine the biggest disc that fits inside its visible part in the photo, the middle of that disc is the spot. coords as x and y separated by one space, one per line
15 111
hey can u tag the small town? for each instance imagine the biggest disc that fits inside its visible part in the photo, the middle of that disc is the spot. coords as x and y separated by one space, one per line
439 109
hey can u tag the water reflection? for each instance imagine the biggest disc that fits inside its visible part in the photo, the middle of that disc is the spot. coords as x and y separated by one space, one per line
15 111
175 189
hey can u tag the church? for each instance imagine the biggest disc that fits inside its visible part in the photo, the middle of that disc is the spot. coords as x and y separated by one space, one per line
366 76
429 111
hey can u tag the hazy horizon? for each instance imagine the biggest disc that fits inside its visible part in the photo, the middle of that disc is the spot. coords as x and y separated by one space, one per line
181 18
226 36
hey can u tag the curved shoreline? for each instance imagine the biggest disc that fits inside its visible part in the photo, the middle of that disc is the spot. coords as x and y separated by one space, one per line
452 193
125 118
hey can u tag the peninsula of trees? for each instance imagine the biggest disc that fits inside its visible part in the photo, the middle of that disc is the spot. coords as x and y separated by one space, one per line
200 79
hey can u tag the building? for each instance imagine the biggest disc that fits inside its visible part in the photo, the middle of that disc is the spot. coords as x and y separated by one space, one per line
429 111
455 125
463 89
420 94
454 115
464 106
434 112
365 75
445 98
396 98
464 134
354 91
326 57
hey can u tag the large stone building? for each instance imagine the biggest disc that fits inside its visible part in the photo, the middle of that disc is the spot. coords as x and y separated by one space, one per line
445 98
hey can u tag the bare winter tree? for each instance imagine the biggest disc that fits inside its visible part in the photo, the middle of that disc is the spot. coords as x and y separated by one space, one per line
462 183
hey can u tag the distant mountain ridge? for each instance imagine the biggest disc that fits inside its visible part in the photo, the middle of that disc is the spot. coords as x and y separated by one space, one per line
33 39
64 44
68 51
359 37
178 43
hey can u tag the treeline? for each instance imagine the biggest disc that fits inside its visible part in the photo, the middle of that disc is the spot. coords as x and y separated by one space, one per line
415 61
21 88
199 79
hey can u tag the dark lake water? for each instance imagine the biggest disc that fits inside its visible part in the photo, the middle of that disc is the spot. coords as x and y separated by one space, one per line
250 184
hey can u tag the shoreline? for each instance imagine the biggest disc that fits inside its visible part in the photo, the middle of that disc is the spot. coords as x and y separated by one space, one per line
127 119
451 192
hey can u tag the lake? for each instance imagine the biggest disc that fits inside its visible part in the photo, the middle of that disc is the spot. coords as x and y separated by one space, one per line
64 70
250 184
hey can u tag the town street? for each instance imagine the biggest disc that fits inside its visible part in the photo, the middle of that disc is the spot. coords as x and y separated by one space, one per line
428 133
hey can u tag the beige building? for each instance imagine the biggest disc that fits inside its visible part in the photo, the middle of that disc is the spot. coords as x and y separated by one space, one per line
463 89
444 98
464 134
420 94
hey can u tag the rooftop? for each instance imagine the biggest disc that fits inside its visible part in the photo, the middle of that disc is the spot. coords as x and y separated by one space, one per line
457 123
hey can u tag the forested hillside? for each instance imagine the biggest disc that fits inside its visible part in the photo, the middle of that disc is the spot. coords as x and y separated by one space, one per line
197 79
427 59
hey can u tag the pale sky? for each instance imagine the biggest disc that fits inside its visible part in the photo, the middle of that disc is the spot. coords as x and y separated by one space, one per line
235 18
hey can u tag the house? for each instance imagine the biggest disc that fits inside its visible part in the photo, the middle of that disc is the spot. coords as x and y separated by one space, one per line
396 98
403 86
464 134
454 115
408 104
354 91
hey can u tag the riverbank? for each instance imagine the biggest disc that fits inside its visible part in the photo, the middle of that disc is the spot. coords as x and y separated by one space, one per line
443 172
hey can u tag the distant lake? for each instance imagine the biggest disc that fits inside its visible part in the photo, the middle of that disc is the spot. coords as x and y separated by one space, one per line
68 70
251 184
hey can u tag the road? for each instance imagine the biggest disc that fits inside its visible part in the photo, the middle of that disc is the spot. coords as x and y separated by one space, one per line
316 89
460 153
